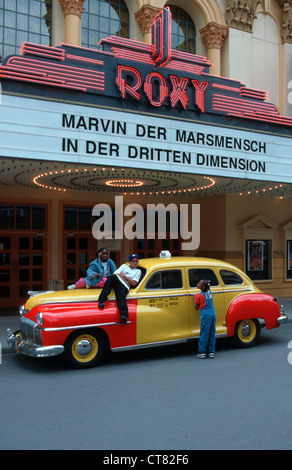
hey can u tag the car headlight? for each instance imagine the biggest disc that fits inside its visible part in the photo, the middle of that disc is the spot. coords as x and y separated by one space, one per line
40 318
22 310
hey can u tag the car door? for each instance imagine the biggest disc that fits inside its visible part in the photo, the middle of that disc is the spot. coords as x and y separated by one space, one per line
194 275
163 307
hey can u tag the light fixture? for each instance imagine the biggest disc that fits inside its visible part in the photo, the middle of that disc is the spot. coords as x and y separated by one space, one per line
263 190
124 183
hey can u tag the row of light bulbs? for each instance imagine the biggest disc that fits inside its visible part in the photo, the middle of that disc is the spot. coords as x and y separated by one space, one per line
264 191
124 183
118 183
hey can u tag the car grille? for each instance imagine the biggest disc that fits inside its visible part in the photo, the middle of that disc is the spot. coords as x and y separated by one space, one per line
30 331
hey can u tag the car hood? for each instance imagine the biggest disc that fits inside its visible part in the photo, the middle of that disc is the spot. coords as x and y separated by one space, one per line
78 295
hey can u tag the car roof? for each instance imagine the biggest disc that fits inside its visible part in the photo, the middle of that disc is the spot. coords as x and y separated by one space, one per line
179 261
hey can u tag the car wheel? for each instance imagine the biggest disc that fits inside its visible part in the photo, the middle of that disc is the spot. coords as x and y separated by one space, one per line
246 333
84 348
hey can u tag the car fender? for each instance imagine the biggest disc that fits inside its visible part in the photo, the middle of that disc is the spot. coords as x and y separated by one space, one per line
251 306
60 320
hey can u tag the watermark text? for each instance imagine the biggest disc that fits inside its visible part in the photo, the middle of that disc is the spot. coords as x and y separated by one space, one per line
156 221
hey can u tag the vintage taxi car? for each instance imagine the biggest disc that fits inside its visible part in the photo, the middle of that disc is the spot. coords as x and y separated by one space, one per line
161 311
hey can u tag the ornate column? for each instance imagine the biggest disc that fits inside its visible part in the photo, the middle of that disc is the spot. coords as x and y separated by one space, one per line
145 17
213 36
72 10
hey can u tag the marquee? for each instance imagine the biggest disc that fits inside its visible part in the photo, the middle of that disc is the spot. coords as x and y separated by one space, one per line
133 105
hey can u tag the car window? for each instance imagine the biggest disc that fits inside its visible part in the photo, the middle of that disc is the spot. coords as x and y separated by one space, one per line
230 278
168 279
196 274
154 282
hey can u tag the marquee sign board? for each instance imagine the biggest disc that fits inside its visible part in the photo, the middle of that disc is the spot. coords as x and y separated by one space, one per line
138 104
62 132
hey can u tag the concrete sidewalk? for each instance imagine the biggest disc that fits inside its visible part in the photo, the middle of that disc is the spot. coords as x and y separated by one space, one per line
12 321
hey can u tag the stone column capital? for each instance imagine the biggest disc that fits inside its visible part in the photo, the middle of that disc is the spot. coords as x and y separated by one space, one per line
145 17
213 35
72 7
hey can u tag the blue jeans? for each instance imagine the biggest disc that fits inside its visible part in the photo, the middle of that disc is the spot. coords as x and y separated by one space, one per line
207 333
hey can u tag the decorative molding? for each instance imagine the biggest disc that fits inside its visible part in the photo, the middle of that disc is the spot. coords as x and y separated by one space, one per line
145 17
287 21
240 14
214 35
259 222
48 17
72 7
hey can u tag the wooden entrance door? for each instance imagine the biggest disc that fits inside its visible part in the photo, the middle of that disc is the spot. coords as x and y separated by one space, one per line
23 266
23 251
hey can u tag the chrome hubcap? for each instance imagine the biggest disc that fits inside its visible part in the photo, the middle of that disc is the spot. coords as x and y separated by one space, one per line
84 347
245 330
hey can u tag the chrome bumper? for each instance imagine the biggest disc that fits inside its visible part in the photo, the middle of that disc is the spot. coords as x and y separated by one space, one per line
282 319
29 349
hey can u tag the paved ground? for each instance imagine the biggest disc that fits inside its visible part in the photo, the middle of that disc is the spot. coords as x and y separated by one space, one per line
159 398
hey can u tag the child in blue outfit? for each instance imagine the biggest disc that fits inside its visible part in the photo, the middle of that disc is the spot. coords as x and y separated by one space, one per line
204 303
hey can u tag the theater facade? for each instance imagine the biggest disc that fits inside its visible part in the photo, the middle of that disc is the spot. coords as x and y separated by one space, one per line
137 123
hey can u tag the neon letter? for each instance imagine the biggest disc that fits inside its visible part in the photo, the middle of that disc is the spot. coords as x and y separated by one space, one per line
178 93
200 94
148 88
124 87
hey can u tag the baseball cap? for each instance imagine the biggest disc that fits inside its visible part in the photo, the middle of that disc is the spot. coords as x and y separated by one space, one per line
133 256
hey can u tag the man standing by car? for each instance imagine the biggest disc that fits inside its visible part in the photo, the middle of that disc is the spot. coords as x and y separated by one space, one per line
125 277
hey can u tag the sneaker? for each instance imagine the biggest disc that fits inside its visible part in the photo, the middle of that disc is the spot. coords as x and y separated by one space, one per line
124 320
71 287
202 355
211 355
100 304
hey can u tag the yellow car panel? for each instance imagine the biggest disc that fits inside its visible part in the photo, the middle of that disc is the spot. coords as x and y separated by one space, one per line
167 314
162 315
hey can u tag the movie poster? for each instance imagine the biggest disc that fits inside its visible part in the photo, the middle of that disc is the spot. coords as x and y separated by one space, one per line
289 254
255 255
